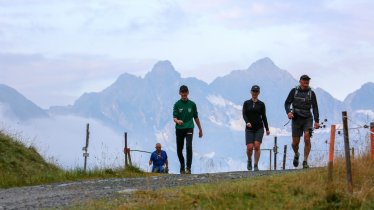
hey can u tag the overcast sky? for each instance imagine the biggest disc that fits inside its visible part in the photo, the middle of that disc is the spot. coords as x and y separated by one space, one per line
54 50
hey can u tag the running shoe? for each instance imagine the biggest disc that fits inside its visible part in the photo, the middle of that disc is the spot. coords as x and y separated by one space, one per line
296 160
249 165
305 164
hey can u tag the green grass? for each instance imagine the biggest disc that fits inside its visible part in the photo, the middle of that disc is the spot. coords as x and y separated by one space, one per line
307 189
21 166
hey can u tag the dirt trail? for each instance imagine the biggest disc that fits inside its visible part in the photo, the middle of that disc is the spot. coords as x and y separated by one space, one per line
64 194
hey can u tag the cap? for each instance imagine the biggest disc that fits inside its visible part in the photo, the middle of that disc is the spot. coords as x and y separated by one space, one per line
183 88
304 77
255 88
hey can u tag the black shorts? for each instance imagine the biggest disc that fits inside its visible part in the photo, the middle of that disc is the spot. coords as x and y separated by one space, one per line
253 135
300 125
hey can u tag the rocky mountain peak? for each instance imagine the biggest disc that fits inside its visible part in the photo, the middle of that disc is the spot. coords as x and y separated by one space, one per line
163 69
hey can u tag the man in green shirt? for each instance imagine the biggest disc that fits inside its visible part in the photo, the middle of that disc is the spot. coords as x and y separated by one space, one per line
184 112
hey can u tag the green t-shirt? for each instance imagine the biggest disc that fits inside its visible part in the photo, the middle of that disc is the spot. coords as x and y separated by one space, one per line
185 111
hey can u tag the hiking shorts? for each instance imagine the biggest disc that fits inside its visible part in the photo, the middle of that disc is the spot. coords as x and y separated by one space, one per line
253 135
300 125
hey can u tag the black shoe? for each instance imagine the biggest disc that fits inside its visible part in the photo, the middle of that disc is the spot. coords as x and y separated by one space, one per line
305 164
296 160
249 165
256 168
182 171
188 171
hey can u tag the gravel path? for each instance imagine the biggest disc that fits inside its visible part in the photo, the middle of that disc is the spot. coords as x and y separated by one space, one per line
64 194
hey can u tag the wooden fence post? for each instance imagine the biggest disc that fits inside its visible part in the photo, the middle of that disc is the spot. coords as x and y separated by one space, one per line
270 158
275 150
125 151
129 156
85 148
347 153
372 140
353 153
284 157
331 152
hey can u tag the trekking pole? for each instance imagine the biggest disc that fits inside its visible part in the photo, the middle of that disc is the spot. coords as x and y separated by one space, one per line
287 123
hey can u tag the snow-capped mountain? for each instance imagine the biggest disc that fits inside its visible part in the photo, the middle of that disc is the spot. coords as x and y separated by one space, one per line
361 99
134 103
142 106
361 102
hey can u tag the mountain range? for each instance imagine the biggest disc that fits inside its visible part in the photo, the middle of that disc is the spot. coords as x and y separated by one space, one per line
143 106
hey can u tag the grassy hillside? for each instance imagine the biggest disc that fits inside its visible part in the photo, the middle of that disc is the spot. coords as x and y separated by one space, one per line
21 165
307 189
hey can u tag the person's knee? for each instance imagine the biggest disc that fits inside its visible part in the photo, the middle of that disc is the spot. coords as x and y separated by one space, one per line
249 147
307 134
257 147
295 140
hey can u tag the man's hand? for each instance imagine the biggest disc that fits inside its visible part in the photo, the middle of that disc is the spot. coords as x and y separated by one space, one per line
267 133
316 125
179 122
290 115
150 162
249 125
200 133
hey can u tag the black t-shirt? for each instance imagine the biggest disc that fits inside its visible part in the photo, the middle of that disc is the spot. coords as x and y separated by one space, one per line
255 113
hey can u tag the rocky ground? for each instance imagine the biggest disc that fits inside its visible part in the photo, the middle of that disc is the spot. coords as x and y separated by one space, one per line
65 194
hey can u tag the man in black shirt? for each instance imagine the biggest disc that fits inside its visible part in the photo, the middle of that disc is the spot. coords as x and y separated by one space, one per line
302 99
254 115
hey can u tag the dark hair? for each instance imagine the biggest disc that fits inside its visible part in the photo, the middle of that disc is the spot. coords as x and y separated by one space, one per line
183 88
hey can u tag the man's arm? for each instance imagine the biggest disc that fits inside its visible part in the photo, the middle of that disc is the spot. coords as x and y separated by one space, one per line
166 160
179 122
197 120
315 107
150 160
199 126
175 112
288 102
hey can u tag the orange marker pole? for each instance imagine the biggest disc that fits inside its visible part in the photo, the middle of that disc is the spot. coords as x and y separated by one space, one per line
372 140
331 151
